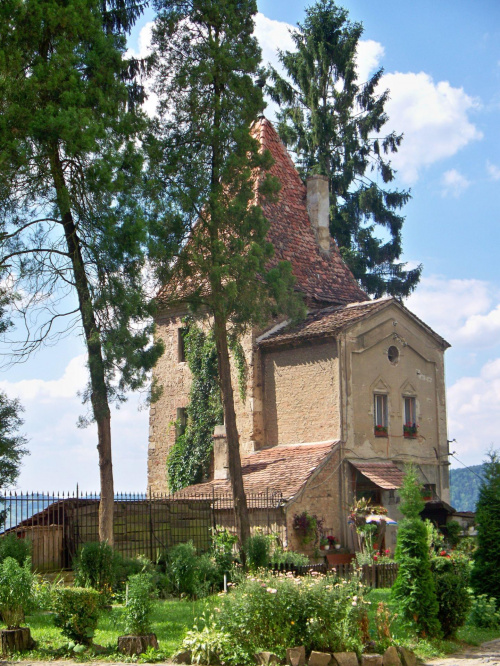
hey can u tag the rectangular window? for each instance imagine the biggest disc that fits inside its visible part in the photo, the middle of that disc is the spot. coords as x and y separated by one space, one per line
181 349
410 411
181 421
381 418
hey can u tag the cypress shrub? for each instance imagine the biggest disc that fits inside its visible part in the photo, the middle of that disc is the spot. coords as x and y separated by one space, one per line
451 576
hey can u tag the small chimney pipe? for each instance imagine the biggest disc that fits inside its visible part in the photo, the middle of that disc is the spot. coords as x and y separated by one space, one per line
318 207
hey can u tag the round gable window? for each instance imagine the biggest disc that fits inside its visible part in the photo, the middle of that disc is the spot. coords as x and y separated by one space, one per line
393 354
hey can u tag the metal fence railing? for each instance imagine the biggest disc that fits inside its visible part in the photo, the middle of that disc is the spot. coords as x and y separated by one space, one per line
57 524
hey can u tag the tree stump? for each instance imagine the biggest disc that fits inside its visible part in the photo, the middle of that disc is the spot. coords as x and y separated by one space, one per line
131 645
15 640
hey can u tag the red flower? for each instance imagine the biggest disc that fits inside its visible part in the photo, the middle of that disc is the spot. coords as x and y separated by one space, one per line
443 553
375 557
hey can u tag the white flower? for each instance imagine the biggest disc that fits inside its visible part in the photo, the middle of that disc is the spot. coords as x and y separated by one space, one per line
271 590
354 603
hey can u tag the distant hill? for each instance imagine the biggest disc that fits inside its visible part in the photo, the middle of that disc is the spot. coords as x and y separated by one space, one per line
464 487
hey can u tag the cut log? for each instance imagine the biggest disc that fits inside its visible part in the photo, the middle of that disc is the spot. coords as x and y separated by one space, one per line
131 645
16 640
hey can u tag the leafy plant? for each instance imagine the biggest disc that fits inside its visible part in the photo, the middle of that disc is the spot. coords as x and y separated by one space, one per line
76 613
451 576
484 612
257 550
181 568
12 546
207 643
453 530
95 566
383 620
139 604
16 591
308 527
290 557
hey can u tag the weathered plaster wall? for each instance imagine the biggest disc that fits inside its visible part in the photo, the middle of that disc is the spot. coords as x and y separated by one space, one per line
301 394
320 497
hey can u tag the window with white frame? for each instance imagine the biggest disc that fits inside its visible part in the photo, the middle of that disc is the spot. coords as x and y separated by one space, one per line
380 411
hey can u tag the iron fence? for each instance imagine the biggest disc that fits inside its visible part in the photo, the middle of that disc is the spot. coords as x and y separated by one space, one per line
58 524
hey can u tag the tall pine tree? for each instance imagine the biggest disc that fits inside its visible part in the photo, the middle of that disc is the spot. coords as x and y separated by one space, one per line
485 576
73 230
209 166
332 121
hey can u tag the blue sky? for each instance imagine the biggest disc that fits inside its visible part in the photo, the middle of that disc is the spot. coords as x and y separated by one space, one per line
442 66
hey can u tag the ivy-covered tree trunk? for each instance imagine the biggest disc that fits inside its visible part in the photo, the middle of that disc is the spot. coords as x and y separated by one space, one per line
99 399
232 436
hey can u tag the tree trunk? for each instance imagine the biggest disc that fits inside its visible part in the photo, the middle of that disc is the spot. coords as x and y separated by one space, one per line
16 640
233 440
99 396
131 645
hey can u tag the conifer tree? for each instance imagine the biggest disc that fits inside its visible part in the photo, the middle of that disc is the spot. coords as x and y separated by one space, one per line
485 576
73 230
333 123
209 166
415 589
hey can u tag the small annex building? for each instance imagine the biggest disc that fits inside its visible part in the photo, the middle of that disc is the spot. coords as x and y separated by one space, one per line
335 406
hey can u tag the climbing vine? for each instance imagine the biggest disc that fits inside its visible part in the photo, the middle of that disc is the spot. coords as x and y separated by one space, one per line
189 458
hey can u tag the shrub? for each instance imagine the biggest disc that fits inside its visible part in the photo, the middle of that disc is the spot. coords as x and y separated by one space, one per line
451 576
278 612
139 604
95 566
181 570
453 530
257 550
12 546
288 557
484 612
308 527
415 589
124 567
16 591
77 613
486 572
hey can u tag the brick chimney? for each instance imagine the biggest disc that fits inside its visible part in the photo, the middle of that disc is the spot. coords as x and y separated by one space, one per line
318 207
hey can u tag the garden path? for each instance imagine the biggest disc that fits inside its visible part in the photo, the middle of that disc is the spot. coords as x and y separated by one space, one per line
487 653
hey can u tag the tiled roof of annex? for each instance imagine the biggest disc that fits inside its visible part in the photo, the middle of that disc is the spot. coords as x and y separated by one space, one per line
321 276
281 469
384 475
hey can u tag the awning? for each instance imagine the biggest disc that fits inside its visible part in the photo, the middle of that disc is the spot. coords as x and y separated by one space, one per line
384 475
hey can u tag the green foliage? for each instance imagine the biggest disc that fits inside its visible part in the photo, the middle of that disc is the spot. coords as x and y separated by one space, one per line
415 589
308 527
12 444
453 531
189 459
464 487
181 563
290 557
451 576
76 613
257 550
484 612
277 612
486 572
16 591
333 123
139 604
94 567
206 643
12 546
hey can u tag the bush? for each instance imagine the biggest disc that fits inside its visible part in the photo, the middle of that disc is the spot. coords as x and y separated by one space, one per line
77 613
451 576
288 557
181 568
415 589
95 566
139 604
12 546
257 550
484 612
124 567
16 591
274 613
453 531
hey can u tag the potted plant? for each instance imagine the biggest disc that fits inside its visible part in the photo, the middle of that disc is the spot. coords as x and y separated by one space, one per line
308 527
324 544
410 431
16 599
381 431
138 616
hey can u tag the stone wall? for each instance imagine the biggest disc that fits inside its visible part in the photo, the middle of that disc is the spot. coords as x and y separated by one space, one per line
301 397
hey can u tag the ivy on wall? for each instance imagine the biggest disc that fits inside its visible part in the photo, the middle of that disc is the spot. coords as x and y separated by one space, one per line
189 458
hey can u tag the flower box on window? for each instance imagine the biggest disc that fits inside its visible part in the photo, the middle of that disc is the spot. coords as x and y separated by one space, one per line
380 431
410 431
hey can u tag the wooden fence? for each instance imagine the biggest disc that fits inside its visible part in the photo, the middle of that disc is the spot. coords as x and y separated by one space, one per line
378 574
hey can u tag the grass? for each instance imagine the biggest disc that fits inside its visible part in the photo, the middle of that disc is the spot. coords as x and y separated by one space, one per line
428 648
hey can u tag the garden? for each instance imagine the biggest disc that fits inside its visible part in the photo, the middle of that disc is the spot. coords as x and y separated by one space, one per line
214 608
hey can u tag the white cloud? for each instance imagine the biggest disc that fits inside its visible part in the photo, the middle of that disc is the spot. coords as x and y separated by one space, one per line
273 35
453 183
62 455
144 50
369 56
433 117
481 330
493 171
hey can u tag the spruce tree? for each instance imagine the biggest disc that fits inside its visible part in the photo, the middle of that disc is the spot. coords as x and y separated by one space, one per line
209 166
73 229
333 123
485 576
415 589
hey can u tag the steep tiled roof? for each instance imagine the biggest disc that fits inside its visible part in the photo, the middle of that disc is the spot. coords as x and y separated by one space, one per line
383 475
282 469
324 323
322 277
